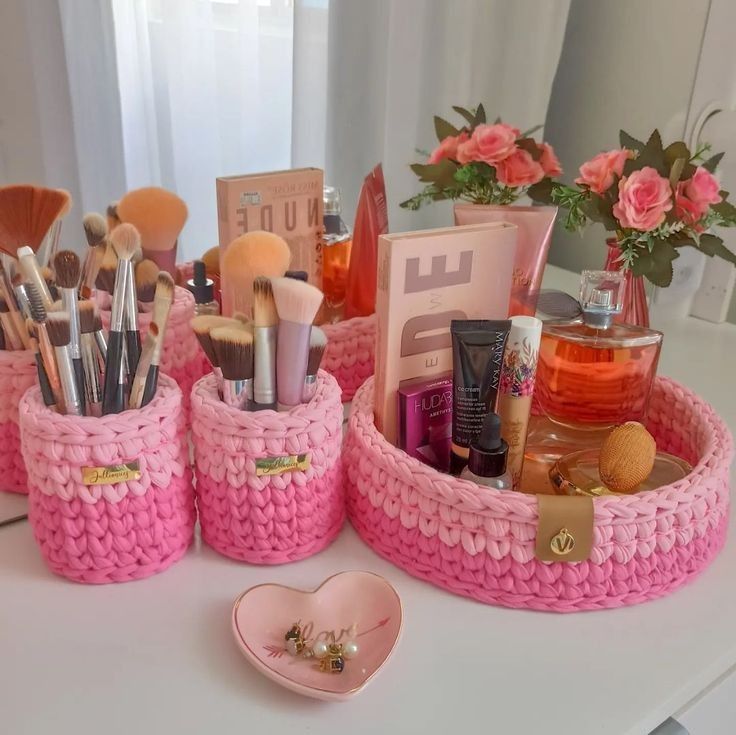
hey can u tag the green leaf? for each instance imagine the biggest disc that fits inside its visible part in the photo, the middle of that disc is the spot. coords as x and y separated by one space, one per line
712 163
687 171
541 191
532 130
652 154
677 166
725 209
628 141
712 245
660 272
661 275
443 129
528 145
642 264
676 150
480 115
466 114
599 209
497 121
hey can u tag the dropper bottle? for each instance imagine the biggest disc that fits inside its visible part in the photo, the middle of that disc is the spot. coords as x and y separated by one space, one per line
203 290
487 458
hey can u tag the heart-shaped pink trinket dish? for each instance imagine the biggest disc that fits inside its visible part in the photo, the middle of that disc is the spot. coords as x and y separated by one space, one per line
358 610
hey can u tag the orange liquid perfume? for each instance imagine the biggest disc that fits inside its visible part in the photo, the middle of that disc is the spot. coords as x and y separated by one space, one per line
338 242
592 373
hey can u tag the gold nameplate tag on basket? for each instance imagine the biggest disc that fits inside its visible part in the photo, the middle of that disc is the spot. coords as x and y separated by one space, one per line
111 474
565 528
279 465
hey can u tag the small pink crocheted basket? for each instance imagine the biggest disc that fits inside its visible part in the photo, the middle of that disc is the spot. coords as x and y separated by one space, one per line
268 519
480 543
350 350
17 375
110 532
182 358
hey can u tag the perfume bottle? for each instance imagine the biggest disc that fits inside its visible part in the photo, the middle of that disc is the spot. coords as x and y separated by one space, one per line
592 373
338 242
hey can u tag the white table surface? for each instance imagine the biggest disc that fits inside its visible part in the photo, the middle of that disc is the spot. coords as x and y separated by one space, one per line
157 656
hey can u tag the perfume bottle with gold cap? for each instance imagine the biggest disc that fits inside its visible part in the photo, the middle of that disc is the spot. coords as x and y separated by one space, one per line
592 373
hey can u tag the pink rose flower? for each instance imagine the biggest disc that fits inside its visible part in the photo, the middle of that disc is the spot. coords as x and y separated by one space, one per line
702 188
447 147
519 169
549 162
643 200
687 210
495 142
467 151
597 174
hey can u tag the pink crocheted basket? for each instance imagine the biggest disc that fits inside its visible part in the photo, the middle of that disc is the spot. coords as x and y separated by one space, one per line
480 543
109 532
349 353
182 358
17 375
268 519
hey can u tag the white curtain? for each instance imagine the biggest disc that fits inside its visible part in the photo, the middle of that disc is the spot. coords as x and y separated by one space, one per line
177 92
399 62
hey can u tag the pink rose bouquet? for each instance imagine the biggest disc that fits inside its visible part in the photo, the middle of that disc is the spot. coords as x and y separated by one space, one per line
655 199
484 163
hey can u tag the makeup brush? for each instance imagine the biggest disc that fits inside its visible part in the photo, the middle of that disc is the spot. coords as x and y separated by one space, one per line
265 323
12 339
124 239
144 364
112 216
43 379
247 257
39 317
2 340
95 230
100 339
48 275
68 269
161 308
317 345
234 349
202 327
211 260
31 272
91 359
297 303
59 329
105 280
146 273
159 215
8 292
27 214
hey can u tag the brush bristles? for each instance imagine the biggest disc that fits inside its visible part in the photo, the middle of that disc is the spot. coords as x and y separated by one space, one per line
27 214
35 302
317 345
4 308
164 286
125 240
98 321
95 229
158 214
296 301
67 269
234 350
204 324
87 316
205 342
59 328
106 275
163 297
264 307
146 273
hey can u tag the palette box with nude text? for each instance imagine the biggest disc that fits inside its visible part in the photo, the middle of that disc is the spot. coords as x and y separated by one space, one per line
287 203
425 280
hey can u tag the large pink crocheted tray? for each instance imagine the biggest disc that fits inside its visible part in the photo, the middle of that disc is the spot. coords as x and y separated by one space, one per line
17 375
268 519
480 543
349 354
182 358
118 531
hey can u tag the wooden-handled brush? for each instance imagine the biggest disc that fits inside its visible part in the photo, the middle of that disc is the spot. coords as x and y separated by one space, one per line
125 240
130 237
95 230
39 317
91 359
59 329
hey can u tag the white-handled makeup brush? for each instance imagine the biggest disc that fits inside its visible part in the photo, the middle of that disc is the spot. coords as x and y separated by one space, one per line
59 329
161 308
297 304
31 272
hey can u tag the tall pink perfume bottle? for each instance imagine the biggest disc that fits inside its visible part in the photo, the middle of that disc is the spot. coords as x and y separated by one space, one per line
593 373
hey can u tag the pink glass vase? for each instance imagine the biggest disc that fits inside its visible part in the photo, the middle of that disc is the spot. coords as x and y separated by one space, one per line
635 309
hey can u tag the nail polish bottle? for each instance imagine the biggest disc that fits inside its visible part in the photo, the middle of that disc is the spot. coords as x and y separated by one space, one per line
488 455
203 290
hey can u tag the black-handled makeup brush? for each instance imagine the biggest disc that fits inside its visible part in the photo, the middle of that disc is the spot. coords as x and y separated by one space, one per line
125 240
161 308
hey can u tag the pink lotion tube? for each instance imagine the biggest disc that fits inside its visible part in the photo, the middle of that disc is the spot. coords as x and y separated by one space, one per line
292 355
532 246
